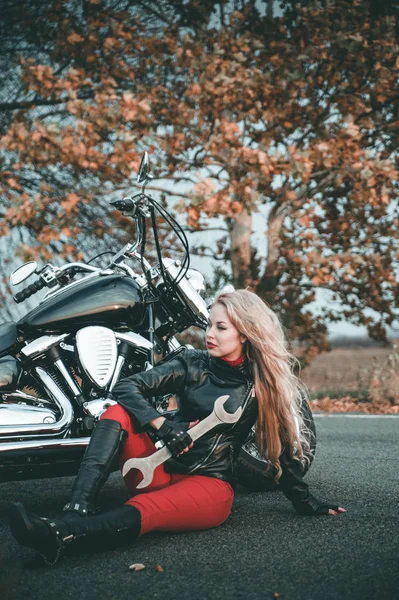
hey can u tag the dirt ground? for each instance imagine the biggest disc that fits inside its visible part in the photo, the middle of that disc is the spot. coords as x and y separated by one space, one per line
355 379
345 369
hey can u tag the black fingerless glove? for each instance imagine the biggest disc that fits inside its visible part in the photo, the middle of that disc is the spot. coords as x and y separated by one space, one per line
174 436
313 507
296 490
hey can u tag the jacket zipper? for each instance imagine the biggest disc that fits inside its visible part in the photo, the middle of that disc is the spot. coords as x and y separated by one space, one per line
197 466
250 393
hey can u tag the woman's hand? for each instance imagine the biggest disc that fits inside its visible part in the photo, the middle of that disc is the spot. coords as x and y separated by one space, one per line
328 509
191 424
335 511
314 507
175 436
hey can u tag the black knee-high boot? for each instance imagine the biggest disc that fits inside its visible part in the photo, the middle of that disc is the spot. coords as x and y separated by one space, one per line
49 536
104 447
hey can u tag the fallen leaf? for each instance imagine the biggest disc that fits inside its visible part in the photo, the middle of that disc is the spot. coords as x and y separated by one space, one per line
137 567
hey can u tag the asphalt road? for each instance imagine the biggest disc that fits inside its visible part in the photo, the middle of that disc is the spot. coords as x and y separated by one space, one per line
265 550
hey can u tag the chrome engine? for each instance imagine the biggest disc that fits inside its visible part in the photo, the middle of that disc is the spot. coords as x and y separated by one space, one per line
24 416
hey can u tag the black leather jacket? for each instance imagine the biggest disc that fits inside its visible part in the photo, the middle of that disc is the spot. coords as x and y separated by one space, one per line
198 379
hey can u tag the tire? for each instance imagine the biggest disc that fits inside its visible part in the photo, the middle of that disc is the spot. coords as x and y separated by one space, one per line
256 473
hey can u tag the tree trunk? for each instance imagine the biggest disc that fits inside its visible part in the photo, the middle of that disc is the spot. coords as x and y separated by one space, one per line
240 228
269 9
271 275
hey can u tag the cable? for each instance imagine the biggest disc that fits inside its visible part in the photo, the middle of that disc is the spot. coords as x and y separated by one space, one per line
143 243
98 256
156 238
183 239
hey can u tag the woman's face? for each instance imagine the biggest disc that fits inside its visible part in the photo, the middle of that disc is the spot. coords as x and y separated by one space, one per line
222 338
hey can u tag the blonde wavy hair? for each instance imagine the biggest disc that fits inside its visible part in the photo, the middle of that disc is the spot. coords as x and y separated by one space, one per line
278 391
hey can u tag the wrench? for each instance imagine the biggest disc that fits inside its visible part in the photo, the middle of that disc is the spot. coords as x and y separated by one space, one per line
148 464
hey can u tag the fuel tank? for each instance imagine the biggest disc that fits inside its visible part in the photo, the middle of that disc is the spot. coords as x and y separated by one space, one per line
101 300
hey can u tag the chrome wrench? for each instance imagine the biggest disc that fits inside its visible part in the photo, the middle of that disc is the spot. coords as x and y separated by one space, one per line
148 464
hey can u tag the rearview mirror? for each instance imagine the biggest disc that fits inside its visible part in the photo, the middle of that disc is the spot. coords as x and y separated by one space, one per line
23 272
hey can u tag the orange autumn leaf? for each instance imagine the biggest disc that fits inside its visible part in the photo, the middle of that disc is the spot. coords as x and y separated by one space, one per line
70 203
75 38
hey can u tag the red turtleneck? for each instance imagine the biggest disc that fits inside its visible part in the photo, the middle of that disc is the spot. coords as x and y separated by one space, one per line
236 362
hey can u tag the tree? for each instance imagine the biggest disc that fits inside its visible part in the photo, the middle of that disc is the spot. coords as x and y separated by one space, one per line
292 116
73 122
302 116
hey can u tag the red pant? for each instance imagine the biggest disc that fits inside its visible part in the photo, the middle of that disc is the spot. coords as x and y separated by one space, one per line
171 502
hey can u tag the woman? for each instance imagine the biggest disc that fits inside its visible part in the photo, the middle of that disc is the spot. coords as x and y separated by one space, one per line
194 488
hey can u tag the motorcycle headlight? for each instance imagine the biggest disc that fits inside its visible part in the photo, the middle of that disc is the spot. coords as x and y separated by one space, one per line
197 280
188 287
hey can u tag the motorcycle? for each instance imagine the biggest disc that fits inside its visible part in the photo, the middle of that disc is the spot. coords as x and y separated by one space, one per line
94 326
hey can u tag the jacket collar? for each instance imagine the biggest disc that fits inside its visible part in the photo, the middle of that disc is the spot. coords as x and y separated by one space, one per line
223 370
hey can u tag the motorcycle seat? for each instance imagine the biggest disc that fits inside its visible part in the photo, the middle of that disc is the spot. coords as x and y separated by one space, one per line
8 335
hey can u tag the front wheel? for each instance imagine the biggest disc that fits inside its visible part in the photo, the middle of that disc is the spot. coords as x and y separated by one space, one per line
256 473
